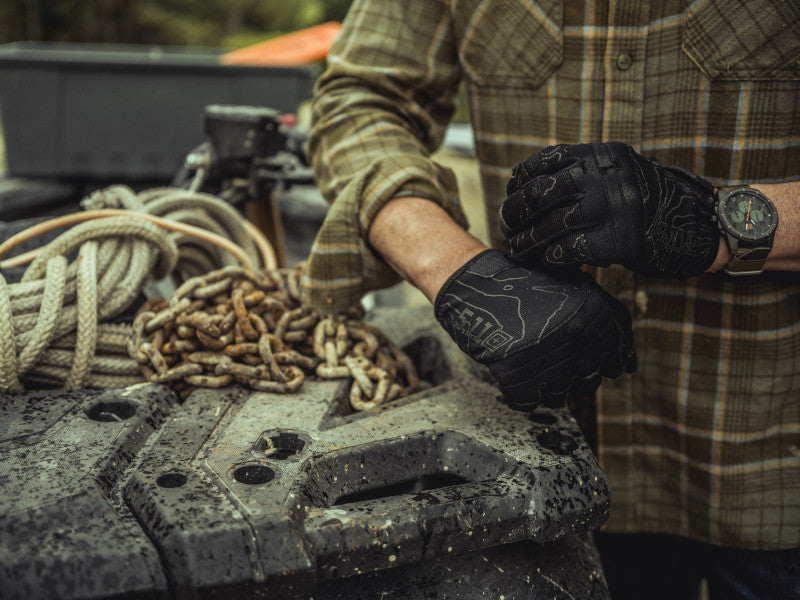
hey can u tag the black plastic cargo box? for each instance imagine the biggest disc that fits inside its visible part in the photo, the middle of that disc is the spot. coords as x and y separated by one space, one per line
83 111
446 493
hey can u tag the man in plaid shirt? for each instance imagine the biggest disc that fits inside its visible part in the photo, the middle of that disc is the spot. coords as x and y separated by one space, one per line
624 119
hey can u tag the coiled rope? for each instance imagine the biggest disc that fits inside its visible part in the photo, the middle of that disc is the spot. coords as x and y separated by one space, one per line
57 322
234 318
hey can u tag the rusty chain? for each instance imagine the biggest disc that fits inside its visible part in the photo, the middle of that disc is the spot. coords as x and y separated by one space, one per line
230 326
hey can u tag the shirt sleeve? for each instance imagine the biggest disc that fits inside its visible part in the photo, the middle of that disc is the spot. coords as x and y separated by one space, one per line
379 110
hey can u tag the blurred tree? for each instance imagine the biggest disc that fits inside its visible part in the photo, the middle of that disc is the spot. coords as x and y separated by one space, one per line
335 10
167 22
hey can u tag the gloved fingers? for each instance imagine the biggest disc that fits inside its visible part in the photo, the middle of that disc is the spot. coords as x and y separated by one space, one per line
624 360
558 240
541 373
521 396
539 196
546 161
550 372
551 385
572 370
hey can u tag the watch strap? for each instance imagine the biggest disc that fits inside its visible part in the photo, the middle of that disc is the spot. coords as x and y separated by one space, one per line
748 261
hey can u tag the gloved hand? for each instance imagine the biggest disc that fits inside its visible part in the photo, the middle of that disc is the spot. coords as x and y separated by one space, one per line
543 338
600 204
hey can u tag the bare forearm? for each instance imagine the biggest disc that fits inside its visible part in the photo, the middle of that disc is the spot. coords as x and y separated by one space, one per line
425 246
785 254
421 242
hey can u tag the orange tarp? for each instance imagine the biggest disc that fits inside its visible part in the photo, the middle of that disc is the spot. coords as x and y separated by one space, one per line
296 48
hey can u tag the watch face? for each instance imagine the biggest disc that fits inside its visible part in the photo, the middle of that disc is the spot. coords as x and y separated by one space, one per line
748 215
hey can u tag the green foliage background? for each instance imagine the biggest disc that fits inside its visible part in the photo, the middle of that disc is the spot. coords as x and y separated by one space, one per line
212 23
225 24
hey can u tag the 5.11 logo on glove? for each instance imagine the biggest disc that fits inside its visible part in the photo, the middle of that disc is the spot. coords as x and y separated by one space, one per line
484 330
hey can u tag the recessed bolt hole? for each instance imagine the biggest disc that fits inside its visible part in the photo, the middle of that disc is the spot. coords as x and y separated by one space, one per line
554 440
171 480
111 412
254 474
283 445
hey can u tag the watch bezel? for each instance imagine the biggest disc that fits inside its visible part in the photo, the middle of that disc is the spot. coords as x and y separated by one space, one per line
729 228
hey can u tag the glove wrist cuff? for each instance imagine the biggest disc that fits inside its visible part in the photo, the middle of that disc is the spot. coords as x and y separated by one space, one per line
457 273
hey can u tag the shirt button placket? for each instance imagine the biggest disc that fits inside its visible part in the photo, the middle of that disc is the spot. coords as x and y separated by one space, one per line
625 89
624 63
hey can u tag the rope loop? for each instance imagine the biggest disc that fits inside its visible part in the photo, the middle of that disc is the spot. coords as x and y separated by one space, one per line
121 241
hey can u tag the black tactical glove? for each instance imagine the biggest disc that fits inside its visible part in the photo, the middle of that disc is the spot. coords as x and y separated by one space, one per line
600 204
543 338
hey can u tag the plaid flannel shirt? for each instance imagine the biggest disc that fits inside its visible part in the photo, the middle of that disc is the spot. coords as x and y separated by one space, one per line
704 440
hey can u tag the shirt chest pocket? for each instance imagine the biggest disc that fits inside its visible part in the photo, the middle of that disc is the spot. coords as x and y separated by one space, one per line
513 43
744 40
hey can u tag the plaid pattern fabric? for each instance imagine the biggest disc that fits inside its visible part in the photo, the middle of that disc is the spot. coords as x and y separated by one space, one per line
704 440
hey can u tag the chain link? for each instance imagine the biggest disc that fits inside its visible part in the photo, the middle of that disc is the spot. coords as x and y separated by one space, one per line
230 326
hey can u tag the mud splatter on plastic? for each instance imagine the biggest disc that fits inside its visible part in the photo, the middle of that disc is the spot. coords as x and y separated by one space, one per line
243 493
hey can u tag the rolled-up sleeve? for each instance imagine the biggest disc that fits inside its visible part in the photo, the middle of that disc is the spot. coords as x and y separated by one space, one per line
380 109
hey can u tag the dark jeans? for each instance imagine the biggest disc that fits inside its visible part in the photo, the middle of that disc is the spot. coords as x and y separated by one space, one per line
652 567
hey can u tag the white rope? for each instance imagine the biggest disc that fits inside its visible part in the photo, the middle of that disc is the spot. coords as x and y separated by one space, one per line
9 379
86 336
55 321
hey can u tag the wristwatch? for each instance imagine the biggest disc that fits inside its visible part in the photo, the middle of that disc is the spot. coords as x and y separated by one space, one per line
747 220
